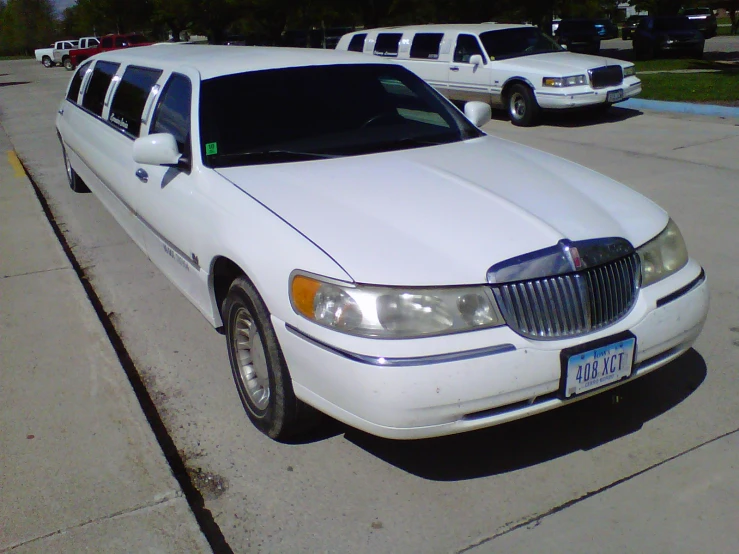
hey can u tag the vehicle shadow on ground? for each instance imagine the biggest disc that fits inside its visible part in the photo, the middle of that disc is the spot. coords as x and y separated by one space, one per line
579 118
544 437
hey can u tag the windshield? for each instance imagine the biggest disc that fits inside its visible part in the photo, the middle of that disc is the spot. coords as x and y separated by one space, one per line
304 113
697 11
673 24
521 41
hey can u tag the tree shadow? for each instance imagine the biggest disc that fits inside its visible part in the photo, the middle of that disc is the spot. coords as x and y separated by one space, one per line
583 425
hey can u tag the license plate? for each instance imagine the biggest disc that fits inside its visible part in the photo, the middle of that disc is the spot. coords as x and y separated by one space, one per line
599 367
615 95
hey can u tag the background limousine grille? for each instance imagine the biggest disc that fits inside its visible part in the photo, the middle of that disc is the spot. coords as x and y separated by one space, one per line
570 305
608 76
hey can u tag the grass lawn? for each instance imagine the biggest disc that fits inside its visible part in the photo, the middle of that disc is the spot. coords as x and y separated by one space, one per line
711 88
671 64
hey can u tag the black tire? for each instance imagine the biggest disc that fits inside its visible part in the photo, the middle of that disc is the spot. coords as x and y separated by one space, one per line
67 63
257 363
75 183
644 52
46 61
523 110
594 48
698 53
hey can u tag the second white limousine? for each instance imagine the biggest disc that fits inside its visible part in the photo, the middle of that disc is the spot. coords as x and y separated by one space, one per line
366 248
516 67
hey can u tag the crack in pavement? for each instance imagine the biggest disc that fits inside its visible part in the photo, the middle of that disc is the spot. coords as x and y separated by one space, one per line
536 519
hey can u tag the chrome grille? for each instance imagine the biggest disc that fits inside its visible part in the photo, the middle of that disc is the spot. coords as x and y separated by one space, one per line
572 304
608 76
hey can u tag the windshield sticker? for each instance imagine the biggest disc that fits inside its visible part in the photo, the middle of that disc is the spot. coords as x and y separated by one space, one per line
211 148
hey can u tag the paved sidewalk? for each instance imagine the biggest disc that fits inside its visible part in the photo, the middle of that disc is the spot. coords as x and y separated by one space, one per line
80 469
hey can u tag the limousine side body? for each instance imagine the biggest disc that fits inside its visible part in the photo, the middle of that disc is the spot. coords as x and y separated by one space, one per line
384 267
515 67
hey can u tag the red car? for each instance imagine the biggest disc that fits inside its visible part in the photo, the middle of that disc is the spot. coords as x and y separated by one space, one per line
107 43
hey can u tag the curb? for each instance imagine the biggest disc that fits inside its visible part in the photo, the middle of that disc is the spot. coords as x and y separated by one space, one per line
679 107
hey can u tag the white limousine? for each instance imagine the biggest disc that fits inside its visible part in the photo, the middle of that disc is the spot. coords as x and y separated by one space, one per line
516 67
367 251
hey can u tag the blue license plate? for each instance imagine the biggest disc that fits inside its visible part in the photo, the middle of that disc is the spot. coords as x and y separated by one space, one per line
599 367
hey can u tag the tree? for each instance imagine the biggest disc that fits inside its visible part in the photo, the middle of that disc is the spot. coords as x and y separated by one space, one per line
26 25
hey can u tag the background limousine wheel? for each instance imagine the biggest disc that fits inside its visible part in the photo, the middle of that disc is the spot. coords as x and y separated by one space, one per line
75 183
522 106
258 366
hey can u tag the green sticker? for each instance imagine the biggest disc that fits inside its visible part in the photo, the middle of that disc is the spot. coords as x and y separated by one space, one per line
211 148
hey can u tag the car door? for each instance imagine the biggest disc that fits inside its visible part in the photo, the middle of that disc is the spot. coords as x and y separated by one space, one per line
167 199
468 81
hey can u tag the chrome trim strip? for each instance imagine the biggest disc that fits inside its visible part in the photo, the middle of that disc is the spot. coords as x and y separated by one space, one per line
404 362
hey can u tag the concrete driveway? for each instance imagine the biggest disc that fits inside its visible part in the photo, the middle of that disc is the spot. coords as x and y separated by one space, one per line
345 491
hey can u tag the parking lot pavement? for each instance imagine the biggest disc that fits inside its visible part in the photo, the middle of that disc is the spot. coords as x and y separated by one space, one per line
80 470
344 491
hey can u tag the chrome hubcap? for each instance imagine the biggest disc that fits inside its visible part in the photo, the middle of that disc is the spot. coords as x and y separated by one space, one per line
518 105
251 359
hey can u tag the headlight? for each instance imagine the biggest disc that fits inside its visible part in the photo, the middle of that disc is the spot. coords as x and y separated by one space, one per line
663 255
392 312
629 71
559 82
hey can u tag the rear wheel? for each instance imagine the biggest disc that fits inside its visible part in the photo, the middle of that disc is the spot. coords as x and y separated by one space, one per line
522 106
75 183
67 62
258 366
46 60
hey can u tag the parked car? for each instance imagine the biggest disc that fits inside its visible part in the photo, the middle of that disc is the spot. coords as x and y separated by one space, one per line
630 25
704 20
579 35
659 35
46 56
606 28
366 249
63 56
514 67
106 44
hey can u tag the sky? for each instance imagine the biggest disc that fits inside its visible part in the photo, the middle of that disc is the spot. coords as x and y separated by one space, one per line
61 4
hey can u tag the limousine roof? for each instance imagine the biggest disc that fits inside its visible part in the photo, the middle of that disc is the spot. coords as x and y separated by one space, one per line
214 61
445 28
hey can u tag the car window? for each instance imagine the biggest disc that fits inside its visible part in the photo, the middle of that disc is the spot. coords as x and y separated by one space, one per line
675 23
107 42
173 112
467 46
697 11
521 41
130 98
356 44
249 118
425 46
95 94
387 44
76 83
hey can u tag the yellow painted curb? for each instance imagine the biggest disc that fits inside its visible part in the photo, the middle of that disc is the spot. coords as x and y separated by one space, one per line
16 164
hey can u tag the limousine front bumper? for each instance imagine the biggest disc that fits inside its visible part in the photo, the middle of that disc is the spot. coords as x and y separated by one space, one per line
507 377
581 97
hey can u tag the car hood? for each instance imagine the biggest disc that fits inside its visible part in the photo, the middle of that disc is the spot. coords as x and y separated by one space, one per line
445 214
555 64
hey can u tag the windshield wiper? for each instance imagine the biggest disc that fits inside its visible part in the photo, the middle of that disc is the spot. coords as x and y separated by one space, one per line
268 156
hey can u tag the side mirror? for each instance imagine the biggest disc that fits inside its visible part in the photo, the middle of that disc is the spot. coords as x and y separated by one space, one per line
476 59
479 113
156 149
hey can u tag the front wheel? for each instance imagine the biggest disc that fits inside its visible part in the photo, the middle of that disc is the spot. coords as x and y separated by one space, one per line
522 106
258 366
46 60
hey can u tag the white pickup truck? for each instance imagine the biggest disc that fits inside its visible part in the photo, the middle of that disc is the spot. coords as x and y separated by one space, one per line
58 52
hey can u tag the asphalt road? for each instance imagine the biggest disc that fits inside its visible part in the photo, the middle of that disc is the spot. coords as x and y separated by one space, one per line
344 491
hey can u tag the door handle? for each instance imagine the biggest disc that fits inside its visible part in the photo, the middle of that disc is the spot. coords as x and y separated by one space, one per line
142 175
454 68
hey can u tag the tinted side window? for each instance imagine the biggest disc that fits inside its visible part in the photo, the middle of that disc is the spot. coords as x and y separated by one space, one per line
98 87
356 44
387 44
107 42
74 86
467 46
173 112
130 97
426 46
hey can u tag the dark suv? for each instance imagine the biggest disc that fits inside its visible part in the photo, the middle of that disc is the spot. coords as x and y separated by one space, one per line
704 20
674 33
579 35
630 26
